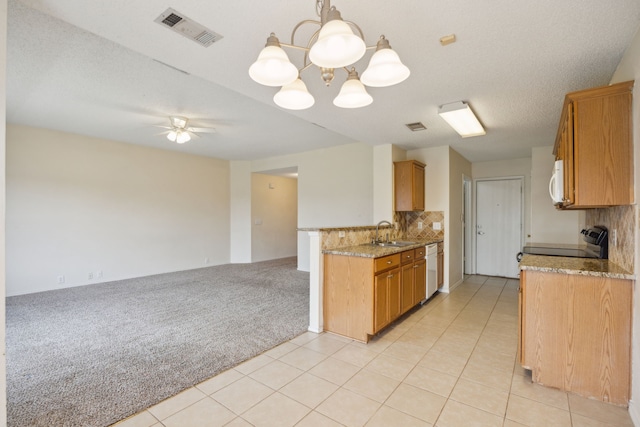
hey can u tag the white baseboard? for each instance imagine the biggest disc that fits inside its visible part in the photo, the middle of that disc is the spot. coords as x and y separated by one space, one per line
451 288
634 412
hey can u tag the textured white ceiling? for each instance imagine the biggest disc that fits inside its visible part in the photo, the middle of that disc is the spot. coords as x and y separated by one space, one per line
91 68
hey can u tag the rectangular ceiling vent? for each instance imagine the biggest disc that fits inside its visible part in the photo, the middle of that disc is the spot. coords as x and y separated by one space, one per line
184 26
415 127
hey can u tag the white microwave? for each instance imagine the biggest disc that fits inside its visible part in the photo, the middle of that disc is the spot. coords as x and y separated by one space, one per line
556 183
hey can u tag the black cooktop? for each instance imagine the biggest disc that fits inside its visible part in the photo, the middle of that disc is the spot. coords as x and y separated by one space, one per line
568 252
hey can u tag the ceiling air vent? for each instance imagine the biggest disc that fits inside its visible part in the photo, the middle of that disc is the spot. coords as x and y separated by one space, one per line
184 26
415 127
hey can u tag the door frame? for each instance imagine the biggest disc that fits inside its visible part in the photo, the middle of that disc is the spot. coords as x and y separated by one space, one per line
475 211
468 247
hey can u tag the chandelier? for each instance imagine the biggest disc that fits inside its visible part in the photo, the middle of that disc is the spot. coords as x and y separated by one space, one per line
333 46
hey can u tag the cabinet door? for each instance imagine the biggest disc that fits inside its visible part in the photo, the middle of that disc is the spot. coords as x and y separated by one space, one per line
393 283
440 269
419 280
407 288
521 319
380 301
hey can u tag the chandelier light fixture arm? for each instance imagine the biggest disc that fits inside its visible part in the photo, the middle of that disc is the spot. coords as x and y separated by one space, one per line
333 45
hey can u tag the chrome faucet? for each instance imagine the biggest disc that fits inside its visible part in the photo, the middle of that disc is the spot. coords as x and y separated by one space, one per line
377 226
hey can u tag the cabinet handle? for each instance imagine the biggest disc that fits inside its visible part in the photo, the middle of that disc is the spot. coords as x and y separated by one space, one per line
415 266
390 276
389 262
408 256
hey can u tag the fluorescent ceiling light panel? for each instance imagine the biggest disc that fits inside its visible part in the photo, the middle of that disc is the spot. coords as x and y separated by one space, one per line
461 119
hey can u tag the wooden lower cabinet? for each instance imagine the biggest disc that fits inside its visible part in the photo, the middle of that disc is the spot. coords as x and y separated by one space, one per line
419 280
440 271
575 333
364 295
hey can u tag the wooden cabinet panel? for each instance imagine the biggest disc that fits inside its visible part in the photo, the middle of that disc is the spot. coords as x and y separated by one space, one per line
576 333
348 298
409 185
420 280
384 263
594 140
440 259
407 288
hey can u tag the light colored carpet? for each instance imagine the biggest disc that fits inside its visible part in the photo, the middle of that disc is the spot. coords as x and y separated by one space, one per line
92 355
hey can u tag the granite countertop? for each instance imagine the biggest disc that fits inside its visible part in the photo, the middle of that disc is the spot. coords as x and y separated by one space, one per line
566 265
371 251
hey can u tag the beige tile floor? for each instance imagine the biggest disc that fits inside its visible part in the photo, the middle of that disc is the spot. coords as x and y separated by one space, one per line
451 362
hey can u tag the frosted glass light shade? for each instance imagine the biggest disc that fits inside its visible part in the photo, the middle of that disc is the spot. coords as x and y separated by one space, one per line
294 96
461 119
182 137
385 69
273 68
336 46
171 136
352 95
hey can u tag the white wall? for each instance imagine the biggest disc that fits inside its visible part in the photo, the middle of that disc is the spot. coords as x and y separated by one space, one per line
240 212
548 224
335 188
274 213
78 205
629 69
437 193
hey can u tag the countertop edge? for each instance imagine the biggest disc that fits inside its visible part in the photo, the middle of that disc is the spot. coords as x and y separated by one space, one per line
577 266
370 251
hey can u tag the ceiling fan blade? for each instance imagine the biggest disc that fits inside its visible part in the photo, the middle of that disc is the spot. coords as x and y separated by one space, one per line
202 130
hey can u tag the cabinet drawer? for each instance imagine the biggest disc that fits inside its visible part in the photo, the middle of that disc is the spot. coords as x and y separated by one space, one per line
419 253
386 262
407 256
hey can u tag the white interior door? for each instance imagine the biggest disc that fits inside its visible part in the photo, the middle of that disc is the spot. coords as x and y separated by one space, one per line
498 226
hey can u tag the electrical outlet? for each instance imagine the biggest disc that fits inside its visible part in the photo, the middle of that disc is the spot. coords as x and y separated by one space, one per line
341 234
419 225
90 276
60 280
99 274
437 226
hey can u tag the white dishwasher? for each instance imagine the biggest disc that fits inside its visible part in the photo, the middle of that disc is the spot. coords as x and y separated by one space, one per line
432 269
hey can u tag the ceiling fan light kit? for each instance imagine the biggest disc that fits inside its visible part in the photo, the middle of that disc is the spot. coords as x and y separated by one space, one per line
334 46
462 119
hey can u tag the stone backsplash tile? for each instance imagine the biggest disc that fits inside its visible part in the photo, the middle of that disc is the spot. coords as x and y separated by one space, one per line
623 220
407 229
331 239
408 224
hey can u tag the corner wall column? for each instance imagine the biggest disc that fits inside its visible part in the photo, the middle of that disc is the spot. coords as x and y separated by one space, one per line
315 283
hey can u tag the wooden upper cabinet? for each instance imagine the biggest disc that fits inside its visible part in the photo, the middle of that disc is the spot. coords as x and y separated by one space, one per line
409 185
594 140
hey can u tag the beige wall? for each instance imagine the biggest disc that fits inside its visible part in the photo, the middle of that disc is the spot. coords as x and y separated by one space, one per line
459 167
335 188
78 205
274 213
3 114
629 69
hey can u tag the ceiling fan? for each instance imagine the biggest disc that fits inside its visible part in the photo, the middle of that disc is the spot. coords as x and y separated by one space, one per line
180 132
